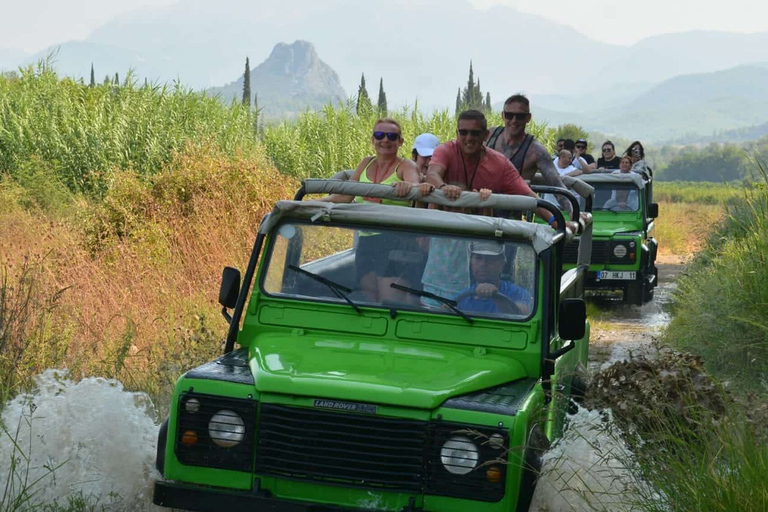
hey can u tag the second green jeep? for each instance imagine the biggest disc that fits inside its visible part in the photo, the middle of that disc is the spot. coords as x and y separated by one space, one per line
623 244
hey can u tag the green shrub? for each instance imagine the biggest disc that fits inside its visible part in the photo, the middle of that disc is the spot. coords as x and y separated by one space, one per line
720 304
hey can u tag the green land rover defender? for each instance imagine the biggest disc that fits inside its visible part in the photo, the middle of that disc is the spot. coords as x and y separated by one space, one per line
623 246
336 397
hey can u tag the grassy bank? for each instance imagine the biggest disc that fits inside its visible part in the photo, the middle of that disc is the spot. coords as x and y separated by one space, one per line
726 290
126 286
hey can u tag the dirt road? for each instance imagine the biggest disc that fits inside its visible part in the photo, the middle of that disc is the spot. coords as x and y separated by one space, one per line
622 329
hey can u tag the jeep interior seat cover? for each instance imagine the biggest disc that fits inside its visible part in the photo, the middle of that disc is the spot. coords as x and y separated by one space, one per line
631 177
540 236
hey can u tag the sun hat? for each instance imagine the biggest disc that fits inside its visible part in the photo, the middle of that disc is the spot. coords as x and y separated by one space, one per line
425 144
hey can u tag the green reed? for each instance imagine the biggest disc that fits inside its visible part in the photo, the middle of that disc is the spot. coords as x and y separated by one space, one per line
319 144
85 132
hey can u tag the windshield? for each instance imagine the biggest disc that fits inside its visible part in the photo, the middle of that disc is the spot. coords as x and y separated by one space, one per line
461 276
614 197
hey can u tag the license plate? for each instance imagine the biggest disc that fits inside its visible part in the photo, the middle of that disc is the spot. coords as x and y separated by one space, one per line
616 275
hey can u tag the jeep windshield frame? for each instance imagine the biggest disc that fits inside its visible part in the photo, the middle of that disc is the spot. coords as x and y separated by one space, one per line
294 243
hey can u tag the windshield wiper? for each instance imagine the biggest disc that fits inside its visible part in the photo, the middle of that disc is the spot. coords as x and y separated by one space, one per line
339 290
448 302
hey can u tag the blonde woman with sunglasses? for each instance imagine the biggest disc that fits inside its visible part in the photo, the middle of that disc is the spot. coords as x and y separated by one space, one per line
386 167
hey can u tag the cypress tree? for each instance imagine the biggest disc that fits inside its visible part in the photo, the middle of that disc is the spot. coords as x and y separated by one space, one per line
363 100
247 84
117 78
93 77
382 103
472 96
487 101
458 101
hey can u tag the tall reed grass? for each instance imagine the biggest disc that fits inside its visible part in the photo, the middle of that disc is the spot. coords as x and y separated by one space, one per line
726 290
322 143
85 132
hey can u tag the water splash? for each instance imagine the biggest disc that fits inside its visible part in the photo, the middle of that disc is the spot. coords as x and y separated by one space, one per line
588 469
91 439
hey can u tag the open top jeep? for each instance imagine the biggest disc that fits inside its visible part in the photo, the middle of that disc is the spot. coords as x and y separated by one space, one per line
409 401
623 246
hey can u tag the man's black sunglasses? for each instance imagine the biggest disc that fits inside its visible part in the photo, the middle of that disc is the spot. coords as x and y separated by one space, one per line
474 133
607 150
520 116
393 136
581 146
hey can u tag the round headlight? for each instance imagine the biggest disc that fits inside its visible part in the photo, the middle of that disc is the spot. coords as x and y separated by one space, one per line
192 405
226 428
459 455
620 250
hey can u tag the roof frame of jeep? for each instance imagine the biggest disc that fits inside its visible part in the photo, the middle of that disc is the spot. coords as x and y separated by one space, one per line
540 235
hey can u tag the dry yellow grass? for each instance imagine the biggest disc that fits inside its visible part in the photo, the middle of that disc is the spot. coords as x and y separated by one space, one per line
140 270
682 228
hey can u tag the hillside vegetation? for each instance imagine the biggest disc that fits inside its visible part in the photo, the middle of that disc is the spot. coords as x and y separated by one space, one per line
120 205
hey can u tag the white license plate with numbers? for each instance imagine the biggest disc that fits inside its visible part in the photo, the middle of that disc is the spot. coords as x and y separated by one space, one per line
616 275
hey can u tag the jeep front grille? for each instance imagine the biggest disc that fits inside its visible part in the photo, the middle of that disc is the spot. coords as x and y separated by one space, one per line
373 452
600 253
350 449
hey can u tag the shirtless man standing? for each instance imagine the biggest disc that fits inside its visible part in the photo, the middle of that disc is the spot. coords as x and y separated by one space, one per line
525 153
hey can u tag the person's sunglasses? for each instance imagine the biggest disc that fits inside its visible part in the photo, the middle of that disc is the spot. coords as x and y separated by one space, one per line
520 116
607 150
393 136
474 133
579 146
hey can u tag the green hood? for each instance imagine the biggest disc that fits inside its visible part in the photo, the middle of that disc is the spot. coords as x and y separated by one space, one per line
386 372
606 226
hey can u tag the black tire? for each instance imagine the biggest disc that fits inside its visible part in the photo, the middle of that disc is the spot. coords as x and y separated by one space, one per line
537 444
634 293
162 439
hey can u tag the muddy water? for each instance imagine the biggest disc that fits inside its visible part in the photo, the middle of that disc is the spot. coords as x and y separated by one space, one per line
623 330
590 468
92 438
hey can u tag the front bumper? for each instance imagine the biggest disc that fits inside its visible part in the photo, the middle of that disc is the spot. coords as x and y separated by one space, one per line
187 497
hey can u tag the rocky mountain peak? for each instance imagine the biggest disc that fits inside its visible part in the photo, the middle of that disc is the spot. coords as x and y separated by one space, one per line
292 59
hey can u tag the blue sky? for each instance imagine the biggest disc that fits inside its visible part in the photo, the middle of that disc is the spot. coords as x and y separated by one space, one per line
33 25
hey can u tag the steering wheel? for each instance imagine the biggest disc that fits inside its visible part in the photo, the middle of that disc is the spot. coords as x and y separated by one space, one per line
504 304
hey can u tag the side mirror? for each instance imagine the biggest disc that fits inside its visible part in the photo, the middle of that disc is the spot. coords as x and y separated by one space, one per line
230 287
572 319
653 210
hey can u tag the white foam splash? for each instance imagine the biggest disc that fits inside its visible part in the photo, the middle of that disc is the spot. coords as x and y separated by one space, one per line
588 469
100 438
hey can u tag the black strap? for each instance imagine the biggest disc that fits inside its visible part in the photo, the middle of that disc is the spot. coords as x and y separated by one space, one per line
494 136
518 159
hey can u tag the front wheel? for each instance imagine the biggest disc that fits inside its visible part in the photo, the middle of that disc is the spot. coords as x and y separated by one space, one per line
537 444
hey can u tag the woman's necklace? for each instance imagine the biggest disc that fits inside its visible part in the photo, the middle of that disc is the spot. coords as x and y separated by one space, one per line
376 177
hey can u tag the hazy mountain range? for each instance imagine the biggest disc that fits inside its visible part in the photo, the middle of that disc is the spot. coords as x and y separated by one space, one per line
422 49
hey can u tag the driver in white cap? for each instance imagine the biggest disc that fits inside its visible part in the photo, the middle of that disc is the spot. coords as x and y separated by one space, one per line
423 147
486 262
